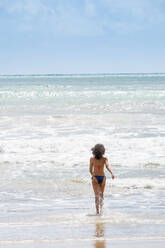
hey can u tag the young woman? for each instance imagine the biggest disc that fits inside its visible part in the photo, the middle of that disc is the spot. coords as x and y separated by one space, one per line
98 177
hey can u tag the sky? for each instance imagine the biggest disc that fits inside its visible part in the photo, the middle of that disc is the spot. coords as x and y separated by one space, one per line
82 36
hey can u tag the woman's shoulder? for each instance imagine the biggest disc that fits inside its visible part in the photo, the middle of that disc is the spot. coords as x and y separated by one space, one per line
105 159
91 158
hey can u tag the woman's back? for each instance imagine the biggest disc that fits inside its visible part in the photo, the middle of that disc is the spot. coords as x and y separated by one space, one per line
98 166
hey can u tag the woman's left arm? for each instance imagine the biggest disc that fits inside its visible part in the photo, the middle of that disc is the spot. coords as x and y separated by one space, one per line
91 167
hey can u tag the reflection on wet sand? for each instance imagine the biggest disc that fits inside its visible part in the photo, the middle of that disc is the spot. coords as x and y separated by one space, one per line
100 242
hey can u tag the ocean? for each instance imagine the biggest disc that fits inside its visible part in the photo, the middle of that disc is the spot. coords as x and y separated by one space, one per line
48 125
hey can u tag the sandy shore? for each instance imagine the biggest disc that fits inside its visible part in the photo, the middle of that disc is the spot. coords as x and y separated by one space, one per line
76 227
90 232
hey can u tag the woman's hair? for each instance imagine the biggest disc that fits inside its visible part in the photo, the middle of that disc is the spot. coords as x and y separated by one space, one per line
98 151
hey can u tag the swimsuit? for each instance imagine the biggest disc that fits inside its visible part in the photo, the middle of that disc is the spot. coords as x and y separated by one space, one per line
99 179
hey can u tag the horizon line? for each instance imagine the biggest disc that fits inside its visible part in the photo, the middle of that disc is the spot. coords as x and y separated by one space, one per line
80 74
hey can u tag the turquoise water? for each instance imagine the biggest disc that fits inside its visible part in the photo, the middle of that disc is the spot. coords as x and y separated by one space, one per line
85 94
48 124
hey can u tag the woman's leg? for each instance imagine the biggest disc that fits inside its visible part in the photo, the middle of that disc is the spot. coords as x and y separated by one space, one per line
102 187
97 193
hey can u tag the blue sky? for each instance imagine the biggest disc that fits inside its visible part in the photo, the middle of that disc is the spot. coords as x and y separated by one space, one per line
82 36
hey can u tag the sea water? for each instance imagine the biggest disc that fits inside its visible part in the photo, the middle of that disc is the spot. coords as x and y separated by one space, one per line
48 125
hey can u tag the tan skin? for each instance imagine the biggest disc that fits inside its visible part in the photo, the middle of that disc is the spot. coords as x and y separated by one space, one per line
96 168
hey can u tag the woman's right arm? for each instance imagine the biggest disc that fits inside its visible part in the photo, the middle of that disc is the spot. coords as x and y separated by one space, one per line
108 168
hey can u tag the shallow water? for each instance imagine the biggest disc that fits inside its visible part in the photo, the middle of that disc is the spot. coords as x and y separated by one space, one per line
48 125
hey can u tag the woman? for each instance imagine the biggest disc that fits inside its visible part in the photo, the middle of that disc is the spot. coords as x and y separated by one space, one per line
98 177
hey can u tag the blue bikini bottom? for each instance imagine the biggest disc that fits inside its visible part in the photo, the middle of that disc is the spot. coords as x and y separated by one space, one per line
99 179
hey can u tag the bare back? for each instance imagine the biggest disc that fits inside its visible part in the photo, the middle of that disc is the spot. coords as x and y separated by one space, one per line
98 166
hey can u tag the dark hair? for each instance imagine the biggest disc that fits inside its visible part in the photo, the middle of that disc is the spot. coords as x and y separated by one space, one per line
98 151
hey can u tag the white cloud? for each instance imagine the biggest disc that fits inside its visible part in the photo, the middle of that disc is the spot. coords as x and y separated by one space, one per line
23 6
90 8
60 16
146 11
85 17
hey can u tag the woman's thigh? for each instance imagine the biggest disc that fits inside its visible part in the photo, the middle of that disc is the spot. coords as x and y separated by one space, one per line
95 185
102 186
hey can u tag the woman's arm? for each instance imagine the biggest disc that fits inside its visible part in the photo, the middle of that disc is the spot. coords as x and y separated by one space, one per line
108 168
91 167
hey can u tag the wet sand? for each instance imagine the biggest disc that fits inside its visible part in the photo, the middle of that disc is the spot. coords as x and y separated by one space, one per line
88 243
73 231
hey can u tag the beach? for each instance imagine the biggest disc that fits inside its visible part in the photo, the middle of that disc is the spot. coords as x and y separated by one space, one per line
71 228
48 125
